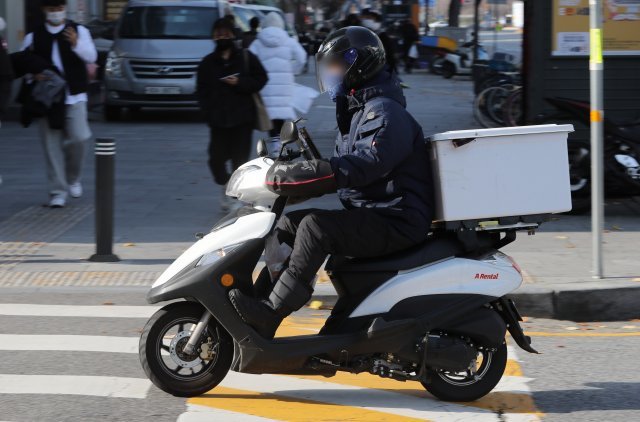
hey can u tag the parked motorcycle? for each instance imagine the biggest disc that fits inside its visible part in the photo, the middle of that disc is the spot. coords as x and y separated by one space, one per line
460 62
621 153
436 313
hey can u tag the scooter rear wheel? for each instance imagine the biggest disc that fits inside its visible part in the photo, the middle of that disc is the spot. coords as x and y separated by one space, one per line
164 360
467 386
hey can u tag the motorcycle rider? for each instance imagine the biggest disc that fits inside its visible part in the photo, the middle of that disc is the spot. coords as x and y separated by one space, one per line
381 169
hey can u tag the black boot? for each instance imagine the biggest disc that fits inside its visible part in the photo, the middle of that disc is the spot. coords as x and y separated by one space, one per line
265 316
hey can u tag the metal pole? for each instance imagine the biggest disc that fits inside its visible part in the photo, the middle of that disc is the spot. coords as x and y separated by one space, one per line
597 135
105 179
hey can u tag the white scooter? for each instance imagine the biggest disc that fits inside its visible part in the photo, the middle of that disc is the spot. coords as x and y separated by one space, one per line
460 62
435 313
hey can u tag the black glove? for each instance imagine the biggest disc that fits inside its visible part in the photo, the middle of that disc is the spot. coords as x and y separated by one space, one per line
308 178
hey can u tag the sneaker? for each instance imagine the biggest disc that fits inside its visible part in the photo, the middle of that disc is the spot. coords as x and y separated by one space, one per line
75 189
58 201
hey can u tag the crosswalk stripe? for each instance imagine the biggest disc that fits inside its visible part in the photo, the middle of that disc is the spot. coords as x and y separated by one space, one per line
371 399
134 388
69 343
282 407
100 311
196 413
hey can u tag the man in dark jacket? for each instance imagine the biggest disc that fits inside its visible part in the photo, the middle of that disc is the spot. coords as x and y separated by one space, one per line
381 169
227 80
68 48
372 19
6 74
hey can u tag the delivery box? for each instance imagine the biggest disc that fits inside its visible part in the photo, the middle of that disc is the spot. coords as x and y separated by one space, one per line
481 174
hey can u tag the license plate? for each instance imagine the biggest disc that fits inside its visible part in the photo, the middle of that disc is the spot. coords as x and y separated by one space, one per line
162 90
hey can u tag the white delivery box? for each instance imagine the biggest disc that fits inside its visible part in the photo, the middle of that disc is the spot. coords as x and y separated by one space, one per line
503 172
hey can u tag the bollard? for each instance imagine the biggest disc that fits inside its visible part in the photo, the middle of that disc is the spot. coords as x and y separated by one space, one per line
105 179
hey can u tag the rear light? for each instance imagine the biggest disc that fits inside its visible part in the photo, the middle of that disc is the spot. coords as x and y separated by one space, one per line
515 265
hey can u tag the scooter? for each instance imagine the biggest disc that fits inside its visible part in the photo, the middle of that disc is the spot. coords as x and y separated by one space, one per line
436 313
460 62
621 153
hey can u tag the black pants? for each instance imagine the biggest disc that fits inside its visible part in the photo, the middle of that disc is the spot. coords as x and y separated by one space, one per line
358 233
277 126
233 143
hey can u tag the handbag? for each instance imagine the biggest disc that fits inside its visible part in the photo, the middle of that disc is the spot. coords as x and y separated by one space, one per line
263 121
413 52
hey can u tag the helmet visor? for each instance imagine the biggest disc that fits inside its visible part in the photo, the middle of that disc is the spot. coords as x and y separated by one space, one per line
331 69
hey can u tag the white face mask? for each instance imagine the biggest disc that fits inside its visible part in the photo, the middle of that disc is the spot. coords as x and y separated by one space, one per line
56 18
371 24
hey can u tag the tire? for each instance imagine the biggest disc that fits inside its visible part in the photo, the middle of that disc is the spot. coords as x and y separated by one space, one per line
513 113
112 113
435 65
448 70
475 389
154 336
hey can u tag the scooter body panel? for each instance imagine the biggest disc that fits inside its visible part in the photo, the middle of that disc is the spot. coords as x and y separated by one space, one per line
494 278
252 226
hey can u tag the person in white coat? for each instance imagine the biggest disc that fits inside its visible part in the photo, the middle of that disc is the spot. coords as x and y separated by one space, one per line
283 57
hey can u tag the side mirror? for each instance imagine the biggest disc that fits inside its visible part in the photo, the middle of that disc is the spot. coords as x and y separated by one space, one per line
261 148
289 132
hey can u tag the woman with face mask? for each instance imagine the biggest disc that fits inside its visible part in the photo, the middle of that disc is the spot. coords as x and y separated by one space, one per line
372 19
227 80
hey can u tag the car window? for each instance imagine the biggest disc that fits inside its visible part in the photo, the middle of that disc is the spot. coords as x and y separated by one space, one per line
243 16
168 22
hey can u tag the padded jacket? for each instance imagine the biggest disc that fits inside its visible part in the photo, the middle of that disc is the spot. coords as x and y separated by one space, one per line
383 161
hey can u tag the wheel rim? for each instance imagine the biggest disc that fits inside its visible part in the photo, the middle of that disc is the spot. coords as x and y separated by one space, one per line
578 171
478 369
170 350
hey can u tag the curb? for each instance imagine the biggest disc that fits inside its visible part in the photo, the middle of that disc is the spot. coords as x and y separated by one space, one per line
588 305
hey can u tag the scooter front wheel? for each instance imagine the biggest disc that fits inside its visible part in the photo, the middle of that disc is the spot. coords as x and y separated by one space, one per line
166 363
472 384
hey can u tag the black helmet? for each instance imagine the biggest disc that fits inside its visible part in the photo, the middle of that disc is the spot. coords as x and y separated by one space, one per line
358 49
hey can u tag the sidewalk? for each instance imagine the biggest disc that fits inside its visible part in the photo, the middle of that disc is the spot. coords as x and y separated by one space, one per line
165 195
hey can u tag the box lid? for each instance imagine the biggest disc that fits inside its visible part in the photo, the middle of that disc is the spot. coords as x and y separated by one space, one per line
500 131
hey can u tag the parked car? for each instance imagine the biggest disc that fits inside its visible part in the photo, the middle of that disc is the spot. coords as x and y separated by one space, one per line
156 52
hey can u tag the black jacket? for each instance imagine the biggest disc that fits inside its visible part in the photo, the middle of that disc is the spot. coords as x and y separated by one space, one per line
383 161
27 62
75 69
225 105
6 79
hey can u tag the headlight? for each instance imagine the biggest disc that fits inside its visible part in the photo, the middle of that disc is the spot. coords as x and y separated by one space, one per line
113 67
236 179
214 256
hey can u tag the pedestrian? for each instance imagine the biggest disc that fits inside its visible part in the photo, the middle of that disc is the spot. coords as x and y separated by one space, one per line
372 19
252 33
68 46
283 57
6 74
227 80
410 36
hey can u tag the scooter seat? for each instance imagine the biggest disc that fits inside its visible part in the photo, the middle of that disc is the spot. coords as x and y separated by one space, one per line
627 131
432 250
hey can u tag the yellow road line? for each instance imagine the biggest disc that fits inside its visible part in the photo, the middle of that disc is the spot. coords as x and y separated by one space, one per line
582 334
498 401
284 408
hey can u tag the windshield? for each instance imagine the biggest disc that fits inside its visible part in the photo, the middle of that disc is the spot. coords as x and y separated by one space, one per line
168 22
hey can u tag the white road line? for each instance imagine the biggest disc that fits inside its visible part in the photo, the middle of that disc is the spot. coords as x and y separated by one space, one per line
69 343
133 388
377 400
513 385
196 413
103 311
